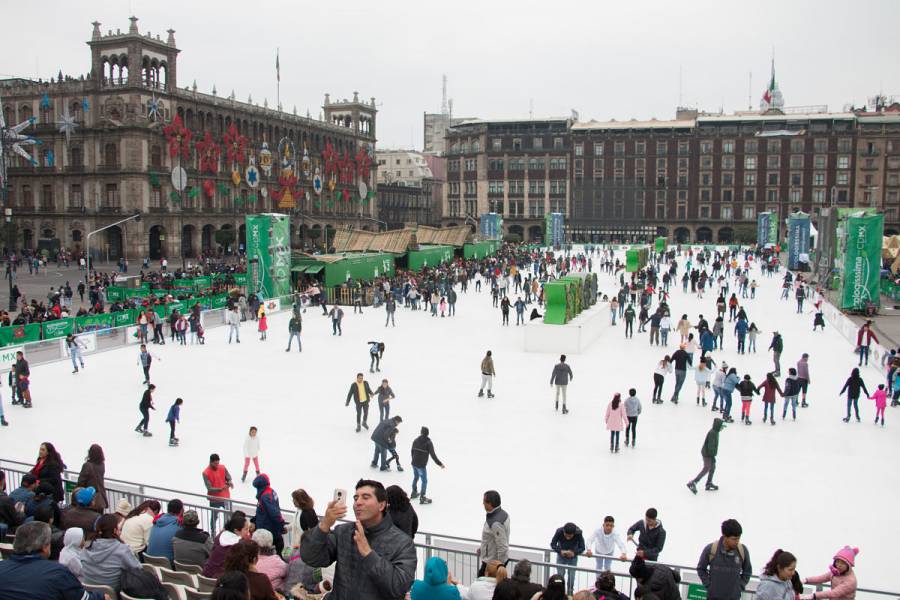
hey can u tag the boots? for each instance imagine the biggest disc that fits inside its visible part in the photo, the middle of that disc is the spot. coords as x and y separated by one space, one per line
424 500
556 406
711 487
490 394
692 486
481 393
565 410
414 495
5 423
244 477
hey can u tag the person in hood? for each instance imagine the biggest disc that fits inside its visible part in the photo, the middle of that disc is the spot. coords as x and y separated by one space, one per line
236 528
375 560
852 386
164 529
70 557
268 511
840 575
105 556
775 583
791 392
656 579
709 451
191 546
437 584
724 566
28 573
568 543
652 536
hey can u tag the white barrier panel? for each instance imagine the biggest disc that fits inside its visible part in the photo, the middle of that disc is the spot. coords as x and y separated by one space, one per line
574 337
272 305
8 357
88 344
850 330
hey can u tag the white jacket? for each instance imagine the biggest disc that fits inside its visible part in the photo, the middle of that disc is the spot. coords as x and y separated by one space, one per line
251 446
136 531
481 589
233 317
605 544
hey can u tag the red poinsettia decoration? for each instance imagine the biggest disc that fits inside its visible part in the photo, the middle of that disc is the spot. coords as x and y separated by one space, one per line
347 169
235 145
289 193
345 195
209 152
330 157
209 188
363 162
179 138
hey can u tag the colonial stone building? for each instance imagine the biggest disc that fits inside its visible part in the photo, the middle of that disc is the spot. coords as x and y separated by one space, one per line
111 140
698 177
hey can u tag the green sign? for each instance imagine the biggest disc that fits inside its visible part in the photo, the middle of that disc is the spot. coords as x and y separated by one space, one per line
429 256
696 591
269 252
636 258
20 334
862 261
93 322
202 283
59 328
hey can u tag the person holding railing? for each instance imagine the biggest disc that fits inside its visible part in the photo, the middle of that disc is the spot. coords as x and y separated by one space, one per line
652 535
568 543
217 480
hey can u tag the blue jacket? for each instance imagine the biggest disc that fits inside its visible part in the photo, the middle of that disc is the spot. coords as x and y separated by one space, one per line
741 327
731 381
707 341
268 510
174 414
434 585
33 576
161 534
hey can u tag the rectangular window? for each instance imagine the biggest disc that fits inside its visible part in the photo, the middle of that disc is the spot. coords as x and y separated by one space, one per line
818 178
749 179
598 149
517 143
796 161
706 147
772 178
598 164
773 161
750 163
683 163
579 149
619 148
470 164
727 213
640 148
47 197
820 161
684 148
705 211
796 178
749 213
728 162
771 195
751 146
706 162
705 178
728 147
728 178
536 208
661 148
516 187
111 199
155 197
76 196
845 144
496 144
557 143
774 146
821 145
843 178
727 195
535 187
579 167
843 162
797 145
818 195
705 195
537 143
749 195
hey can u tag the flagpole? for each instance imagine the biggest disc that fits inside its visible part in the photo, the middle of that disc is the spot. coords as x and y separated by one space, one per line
278 77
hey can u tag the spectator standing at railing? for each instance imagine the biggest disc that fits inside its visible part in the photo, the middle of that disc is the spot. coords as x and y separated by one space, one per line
652 535
495 533
603 543
48 469
724 566
92 474
568 543
218 484
268 511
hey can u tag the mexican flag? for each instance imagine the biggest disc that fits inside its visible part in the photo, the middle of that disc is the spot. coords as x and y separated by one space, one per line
770 91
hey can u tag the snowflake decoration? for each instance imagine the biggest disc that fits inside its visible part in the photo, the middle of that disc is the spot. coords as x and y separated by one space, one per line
12 140
67 124
153 110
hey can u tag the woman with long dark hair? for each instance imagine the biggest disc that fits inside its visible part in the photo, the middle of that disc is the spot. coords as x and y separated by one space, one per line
304 518
49 467
92 474
237 528
775 583
232 585
615 421
243 557
401 511
104 557
137 525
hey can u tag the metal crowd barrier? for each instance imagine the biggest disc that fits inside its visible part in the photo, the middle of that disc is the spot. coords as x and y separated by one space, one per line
460 553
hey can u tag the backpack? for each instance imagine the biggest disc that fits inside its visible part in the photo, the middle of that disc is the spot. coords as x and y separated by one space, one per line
714 547
141 584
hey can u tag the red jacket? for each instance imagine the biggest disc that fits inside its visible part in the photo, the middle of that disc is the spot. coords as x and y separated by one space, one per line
216 479
862 333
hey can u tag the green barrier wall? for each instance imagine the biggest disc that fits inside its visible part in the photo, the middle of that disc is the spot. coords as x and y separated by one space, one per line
555 303
429 256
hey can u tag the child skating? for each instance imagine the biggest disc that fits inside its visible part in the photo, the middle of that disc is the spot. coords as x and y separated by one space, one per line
172 418
746 388
880 398
263 326
251 452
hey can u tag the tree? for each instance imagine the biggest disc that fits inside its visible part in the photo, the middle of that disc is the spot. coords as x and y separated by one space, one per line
224 237
745 234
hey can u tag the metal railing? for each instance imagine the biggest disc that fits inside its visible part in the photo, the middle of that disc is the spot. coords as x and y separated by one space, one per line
460 553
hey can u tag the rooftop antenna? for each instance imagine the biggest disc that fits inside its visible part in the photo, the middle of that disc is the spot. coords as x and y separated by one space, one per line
450 109
750 92
445 110
531 109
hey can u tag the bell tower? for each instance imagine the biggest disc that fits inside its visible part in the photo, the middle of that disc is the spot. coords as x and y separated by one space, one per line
133 59
356 115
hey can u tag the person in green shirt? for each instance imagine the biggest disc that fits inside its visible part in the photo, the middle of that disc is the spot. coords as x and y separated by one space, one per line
709 451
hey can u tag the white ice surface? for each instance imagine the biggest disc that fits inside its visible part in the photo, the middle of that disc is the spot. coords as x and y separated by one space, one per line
809 486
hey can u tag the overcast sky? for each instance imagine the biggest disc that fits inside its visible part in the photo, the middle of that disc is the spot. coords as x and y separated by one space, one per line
605 59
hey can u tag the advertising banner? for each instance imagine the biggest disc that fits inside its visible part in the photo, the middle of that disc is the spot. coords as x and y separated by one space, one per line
798 238
58 328
554 233
88 343
491 226
269 253
8 357
773 228
20 334
762 228
862 261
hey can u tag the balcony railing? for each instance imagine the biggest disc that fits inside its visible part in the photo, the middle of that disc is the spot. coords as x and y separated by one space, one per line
74 168
109 209
109 167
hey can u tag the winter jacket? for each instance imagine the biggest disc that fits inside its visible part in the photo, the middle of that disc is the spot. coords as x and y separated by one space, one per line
730 382
386 573
434 586
843 587
562 374
707 341
680 359
51 472
495 536
726 575
803 369
405 519
741 327
354 393
102 562
164 529
880 398
191 546
662 582
384 431
710 446
559 543
747 388
516 588
174 414
769 389
683 327
791 386
487 365
853 385
771 587
274 568
422 448
268 510
864 338
295 325
251 446
651 541
136 531
615 417
79 516
632 406
92 475
215 565
33 576
777 344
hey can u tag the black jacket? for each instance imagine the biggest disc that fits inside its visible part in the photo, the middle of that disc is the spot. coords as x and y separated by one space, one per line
747 388
853 385
8 513
680 358
422 448
192 546
663 582
559 542
354 393
651 541
405 519
384 431
516 589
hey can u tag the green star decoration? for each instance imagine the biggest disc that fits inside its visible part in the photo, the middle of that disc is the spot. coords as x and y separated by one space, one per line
193 192
175 197
154 180
251 198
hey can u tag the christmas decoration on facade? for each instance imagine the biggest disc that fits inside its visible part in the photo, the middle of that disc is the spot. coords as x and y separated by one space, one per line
209 152
179 138
66 124
265 159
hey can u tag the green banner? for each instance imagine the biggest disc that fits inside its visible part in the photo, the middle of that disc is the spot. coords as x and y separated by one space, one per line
58 328
179 306
125 317
20 334
218 301
240 278
93 322
269 253
202 283
862 261
114 293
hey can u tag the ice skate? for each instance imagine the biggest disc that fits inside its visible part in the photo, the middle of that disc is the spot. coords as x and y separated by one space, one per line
490 394
692 486
565 410
424 500
5 423
481 393
414 495
173 442
244 477
711 487
147 434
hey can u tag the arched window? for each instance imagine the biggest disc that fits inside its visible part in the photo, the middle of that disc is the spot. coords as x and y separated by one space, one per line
76 235
25 112
110 155
155 156
76 159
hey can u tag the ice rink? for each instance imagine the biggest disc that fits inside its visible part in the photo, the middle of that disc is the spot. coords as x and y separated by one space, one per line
809 486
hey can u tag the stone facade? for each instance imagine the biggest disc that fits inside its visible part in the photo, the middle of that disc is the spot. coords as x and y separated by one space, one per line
117 160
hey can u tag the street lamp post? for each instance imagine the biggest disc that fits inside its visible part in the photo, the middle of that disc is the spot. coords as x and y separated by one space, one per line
7 212
87 241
